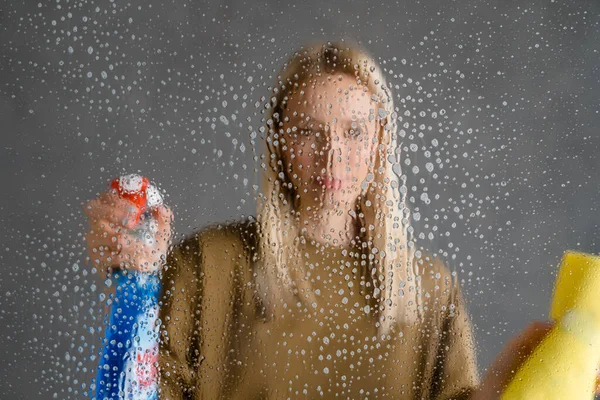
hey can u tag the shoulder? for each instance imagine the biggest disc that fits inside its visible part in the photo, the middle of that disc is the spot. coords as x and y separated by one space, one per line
224 235
432 270
239 233
233 240
439 285
218 245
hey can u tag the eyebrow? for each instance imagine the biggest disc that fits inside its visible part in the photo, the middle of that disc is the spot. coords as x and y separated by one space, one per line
318 121
345 121
303 121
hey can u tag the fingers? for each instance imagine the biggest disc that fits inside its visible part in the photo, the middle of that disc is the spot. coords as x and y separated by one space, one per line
537 327
516 351
164 218
521 347
531 337
102 251
163 215
102 243
122 251
137 254
111 207
111 243
105 227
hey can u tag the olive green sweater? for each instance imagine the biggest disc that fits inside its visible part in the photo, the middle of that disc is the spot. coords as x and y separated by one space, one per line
216 344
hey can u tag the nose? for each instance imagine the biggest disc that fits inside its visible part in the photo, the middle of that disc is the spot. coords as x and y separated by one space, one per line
330 157
333 155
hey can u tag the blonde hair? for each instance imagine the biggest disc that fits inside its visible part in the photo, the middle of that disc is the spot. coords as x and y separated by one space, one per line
383 215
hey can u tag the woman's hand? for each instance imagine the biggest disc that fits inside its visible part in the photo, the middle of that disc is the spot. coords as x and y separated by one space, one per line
509 360
111 245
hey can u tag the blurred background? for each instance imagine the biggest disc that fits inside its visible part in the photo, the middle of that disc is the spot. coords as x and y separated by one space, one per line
500 109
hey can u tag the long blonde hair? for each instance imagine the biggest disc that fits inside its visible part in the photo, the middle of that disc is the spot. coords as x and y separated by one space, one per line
383 215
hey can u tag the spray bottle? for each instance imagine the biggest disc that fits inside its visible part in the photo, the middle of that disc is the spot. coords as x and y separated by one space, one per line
128 366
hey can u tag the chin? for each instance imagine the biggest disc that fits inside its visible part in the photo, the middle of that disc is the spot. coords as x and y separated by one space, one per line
330 199
339 199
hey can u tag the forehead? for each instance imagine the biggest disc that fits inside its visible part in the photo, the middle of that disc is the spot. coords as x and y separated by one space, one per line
338 96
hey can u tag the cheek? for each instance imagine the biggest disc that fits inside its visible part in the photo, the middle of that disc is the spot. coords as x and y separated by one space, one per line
300 162
359 158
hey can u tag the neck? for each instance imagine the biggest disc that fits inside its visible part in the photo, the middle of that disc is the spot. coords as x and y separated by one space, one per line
333 227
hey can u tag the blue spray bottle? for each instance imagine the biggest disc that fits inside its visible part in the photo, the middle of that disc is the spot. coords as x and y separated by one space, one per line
128 366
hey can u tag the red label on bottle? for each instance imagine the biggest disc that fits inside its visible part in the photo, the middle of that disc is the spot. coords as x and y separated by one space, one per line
145 367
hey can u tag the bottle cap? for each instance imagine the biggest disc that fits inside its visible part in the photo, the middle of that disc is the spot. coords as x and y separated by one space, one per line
138 190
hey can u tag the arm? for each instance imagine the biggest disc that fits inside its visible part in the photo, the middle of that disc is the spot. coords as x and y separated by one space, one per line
455 374
197 313
218 300
508 361
179 315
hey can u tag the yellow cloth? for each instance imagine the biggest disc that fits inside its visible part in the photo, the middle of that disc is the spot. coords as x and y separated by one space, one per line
565 363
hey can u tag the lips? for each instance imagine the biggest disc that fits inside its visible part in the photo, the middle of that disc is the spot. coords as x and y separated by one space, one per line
331 183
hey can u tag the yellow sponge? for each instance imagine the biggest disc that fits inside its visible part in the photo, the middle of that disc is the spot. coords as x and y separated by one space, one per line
564 365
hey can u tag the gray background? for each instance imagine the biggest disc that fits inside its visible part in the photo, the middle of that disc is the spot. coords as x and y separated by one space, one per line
516 175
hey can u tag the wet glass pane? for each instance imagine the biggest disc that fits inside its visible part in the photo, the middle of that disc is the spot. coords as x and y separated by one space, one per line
297 200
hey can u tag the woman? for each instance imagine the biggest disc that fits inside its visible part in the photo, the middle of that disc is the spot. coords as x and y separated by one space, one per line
324 294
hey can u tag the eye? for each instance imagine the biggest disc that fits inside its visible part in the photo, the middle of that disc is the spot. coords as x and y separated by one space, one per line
310 133
355 131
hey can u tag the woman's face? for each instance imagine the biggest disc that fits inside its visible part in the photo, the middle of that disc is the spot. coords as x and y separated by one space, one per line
330 127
